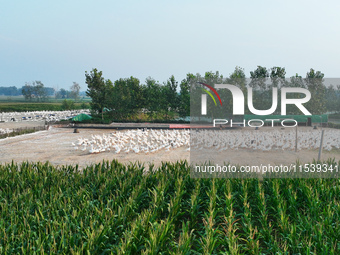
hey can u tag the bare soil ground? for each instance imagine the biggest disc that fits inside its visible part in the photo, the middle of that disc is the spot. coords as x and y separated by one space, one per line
55 146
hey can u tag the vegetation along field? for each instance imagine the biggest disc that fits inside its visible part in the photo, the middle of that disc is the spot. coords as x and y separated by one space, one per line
25 106
110 208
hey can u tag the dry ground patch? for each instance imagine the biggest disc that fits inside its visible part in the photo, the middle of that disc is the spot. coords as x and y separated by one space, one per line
55 146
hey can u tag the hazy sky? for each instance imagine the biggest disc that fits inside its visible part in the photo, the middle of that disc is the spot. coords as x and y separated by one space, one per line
57 41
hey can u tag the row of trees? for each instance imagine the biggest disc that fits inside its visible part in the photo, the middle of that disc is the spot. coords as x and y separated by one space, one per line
10 91
128 96
37 91
262 80
324 99
35 88
73 93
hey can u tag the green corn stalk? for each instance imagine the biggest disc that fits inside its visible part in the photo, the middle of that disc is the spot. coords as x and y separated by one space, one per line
209 239
230 225
266 230
185 240
251 237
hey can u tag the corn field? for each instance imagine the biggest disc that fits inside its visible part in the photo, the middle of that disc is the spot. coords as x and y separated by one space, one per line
110 208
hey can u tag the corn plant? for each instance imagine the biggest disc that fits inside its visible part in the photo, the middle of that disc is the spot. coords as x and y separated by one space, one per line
111 208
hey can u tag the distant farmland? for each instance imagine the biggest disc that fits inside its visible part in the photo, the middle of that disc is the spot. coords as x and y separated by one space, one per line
19 104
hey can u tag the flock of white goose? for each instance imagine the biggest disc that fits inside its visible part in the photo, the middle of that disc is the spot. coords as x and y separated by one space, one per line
4 131
40 115
150 140
135 141
265 141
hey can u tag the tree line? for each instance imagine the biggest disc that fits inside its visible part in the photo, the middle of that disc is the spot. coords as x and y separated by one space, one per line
324 99
127 97
36 91
14 91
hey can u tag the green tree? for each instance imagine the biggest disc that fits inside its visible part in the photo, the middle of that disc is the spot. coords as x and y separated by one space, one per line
75 88
196 91
331 99
259 77
238 78
170 90
126 98
212 78
136 95
98 90
262 98
298 82
39 91
153 96
314 82
184 97
62 93
278 76
84 106
195 96
27 91
119 95
36 90
218 111
67 105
